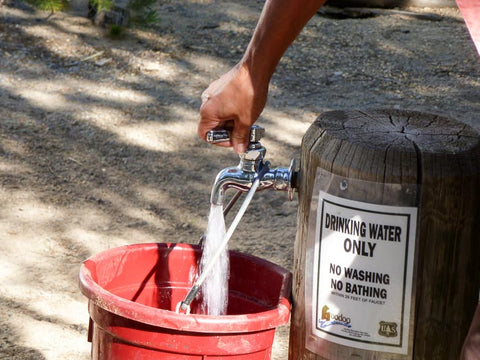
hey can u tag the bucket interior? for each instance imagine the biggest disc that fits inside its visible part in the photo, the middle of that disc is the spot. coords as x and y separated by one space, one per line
160 275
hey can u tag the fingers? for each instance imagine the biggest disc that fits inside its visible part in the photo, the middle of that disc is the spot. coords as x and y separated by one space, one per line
205 97
209 120
240 137
233 101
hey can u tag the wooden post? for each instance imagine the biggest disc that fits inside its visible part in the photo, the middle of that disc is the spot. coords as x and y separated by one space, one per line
441 158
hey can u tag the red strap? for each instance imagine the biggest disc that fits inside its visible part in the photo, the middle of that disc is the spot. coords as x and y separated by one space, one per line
470 10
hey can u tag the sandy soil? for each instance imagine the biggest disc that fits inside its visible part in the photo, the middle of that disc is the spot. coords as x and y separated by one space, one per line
98 143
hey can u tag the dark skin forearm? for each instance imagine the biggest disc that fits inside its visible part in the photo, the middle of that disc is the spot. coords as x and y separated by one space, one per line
238 97
280 23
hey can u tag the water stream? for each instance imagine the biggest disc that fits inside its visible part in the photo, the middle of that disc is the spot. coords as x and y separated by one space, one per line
215 287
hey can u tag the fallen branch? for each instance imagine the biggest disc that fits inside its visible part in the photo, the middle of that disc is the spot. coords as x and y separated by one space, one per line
90 57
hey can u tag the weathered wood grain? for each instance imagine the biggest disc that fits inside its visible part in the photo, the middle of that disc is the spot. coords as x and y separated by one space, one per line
442 157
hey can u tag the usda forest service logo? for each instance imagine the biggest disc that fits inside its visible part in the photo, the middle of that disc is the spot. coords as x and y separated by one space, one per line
387 329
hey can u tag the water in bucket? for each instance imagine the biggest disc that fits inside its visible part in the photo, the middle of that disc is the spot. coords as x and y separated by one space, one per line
215 287
157 276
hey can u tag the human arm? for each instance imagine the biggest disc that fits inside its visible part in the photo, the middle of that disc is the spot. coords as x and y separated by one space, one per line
471 346
238 97
470 10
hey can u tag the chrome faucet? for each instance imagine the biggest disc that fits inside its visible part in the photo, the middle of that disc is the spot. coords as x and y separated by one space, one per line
252 165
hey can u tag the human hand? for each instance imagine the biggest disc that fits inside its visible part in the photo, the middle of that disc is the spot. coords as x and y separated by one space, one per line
233 102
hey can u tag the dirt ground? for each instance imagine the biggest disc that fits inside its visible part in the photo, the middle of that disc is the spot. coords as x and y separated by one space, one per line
98 144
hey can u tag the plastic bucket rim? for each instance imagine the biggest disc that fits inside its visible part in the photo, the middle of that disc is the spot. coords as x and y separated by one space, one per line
145 314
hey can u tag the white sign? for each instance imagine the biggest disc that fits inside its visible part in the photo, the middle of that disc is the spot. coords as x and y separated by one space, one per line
363 267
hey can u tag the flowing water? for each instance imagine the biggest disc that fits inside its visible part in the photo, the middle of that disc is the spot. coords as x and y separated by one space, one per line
215 287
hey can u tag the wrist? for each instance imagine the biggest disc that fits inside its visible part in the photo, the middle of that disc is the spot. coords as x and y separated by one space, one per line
257 73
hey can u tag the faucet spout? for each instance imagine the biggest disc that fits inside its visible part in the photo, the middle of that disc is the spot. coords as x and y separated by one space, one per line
280 178
251 166
230 178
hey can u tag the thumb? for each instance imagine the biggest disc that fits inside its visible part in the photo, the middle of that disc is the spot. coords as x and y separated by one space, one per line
240 138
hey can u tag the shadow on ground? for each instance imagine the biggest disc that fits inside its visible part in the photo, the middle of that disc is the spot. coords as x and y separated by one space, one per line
98 144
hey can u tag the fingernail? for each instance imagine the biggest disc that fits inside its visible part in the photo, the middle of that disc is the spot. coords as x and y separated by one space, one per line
240 148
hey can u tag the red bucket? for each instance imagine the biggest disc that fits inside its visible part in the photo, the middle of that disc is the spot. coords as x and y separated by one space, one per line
133 291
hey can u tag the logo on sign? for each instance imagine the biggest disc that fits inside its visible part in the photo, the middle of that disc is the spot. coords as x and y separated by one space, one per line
387 329
329 319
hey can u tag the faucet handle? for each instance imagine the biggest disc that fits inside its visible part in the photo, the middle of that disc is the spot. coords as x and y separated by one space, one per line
221 135
217 136
256 133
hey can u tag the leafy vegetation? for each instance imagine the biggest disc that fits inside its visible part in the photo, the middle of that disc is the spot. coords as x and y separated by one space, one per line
145 18
50 5
138 13
142 12
102 5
